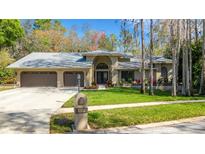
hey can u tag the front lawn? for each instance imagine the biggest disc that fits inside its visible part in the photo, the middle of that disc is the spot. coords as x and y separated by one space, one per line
130 116
61 123
127 95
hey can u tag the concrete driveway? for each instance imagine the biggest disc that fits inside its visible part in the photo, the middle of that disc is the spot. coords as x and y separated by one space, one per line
28 110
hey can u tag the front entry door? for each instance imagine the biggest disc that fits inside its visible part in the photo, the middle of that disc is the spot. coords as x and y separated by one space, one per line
102 77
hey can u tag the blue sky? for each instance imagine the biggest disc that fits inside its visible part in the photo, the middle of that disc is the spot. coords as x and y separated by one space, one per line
108 26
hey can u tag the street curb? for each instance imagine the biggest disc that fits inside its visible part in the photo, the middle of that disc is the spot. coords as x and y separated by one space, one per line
150 125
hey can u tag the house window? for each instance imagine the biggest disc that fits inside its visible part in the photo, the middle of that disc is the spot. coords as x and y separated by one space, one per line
127 75
164 73
102 66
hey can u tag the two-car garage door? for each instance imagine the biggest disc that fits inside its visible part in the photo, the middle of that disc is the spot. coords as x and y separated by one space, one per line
39 79
49 79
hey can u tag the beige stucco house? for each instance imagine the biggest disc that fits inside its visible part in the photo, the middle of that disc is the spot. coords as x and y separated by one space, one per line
61 69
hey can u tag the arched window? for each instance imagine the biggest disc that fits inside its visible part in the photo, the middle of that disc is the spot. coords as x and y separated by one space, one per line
102 66
164 73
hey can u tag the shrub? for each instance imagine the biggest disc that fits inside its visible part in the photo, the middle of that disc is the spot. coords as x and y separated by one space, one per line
109 83
7 76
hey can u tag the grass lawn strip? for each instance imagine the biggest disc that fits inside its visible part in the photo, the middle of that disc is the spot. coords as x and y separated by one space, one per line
127 95
130 116
2 88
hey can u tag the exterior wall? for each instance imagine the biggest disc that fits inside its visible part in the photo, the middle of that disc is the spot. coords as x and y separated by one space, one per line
137 75
158 70
114 72
169 68
112 64
102 59
18 78
119 77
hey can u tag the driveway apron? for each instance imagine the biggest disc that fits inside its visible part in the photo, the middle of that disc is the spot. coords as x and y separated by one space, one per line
28 110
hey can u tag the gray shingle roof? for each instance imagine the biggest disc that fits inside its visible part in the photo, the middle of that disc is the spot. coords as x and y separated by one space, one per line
51 60
106 53
76 60
156 59
130 65
161 59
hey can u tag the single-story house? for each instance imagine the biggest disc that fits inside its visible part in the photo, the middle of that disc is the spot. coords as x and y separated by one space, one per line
61 69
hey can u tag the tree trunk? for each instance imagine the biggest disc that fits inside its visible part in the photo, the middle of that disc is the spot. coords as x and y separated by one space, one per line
183 62
202 84
174 93
187 59
190 60
196 30
151 63
136 35
143 57
178 50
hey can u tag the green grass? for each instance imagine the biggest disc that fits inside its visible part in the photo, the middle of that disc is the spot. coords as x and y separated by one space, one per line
2 88
127 95
61 123
134 116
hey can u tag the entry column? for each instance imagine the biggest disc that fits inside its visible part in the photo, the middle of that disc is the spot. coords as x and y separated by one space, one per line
18 78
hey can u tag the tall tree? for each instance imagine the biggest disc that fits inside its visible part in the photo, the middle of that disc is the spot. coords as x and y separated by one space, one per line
5 73
143 58
190 57
174 91
42 24
151 92
187 60
126 36
183 59
196 30
49 41
74 41
57 26
10 32
202 84
113 40
136 34
178 50
5 59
